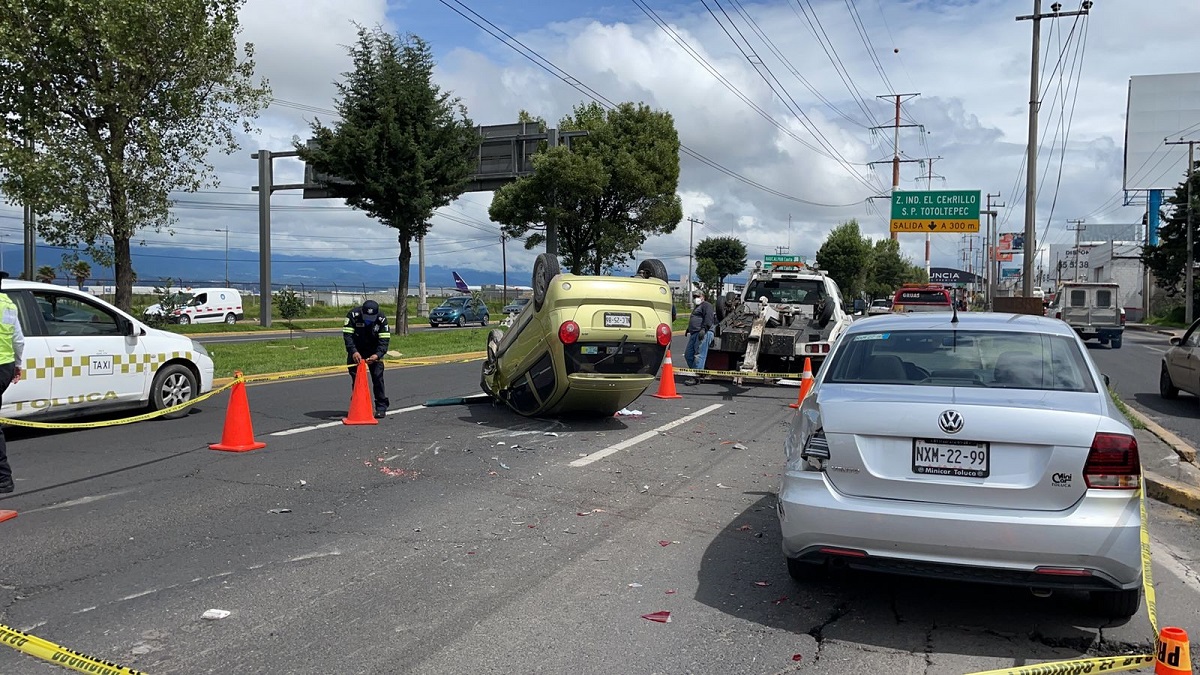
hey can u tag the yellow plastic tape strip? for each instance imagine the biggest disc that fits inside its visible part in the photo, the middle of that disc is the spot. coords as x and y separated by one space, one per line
60 656
738 373
123 420
1109 664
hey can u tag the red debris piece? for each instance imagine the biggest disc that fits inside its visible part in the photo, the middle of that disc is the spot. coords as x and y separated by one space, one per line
663 542
745 528
470 552
583 513
531 526
762 583
660 617
797 657
671 591
780 600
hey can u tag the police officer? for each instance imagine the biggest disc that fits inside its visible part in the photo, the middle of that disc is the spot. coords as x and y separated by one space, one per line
12 344
366 335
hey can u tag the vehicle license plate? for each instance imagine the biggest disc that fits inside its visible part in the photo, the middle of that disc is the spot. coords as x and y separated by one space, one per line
617 320
945 457
589 349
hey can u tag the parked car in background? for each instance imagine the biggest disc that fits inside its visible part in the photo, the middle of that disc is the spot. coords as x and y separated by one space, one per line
880 306
975 446
1181 365
1092 309
202 305
459 311
515 306
585 344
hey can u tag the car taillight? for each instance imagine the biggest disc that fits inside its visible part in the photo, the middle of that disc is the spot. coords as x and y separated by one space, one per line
664 334
1113 463
568 332
1122 317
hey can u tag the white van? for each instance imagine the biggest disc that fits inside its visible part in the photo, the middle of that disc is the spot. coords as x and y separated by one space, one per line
84 356
204 305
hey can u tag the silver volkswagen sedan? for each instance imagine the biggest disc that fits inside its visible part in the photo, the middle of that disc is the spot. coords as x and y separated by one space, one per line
980 447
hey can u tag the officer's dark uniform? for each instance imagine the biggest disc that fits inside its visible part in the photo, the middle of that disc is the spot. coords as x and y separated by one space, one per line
366 332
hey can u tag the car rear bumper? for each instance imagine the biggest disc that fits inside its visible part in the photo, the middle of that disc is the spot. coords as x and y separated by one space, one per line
1099 534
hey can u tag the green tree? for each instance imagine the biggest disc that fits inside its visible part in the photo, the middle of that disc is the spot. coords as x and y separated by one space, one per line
1168 260
727 253
80 271
888 269
605 194
709 276
846 256
402 147
46 274
291 307
111 105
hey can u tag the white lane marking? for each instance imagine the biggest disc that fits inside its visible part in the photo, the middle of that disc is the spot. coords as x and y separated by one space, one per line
326 425
613 449
77 502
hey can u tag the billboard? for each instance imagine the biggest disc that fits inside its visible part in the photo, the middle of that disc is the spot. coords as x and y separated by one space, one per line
1010 273
949 275
1012 241
1159 107
1000 256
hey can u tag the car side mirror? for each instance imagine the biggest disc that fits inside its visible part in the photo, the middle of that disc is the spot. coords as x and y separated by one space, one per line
1106 380
127 327
1176 341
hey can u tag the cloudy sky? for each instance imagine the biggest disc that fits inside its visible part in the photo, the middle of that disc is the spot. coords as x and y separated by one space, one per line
789 145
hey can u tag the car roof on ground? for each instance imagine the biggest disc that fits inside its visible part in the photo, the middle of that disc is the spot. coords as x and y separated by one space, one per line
994 321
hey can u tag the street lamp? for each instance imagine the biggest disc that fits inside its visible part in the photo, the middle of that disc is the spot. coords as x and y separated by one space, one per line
226 231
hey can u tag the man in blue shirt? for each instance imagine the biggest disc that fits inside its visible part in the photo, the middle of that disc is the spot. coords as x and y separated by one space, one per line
700 334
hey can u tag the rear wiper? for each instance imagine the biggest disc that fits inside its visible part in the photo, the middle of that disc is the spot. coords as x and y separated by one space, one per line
620 348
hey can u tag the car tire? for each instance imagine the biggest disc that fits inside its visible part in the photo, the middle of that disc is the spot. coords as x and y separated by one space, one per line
173 384
184 319
462 321
491 361
803 572
545 268
827 308
1115 343
231 318
653 268
1116 604
484 321
433 324
1167 388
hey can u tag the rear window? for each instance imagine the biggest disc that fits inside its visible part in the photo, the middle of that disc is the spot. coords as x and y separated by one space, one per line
962 358
922 297
787 291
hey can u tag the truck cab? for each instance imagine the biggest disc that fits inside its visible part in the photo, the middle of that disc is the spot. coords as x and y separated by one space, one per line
1092 309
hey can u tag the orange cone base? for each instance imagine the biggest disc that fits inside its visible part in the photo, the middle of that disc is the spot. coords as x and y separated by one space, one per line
257 445
7 515
347 420
666 395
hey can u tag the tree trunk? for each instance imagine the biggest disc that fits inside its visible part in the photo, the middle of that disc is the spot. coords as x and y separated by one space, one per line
402 287
123 269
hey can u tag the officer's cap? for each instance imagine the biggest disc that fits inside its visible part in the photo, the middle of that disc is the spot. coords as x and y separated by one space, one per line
370 308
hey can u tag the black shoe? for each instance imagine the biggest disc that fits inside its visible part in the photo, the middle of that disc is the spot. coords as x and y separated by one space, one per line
7 486
379 414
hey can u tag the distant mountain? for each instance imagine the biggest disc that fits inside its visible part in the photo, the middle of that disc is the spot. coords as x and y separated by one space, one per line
201 267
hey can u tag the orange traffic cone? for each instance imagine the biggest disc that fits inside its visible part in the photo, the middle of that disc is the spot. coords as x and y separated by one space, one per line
239 432
362 407
5 515
806 383
1172 657
666 383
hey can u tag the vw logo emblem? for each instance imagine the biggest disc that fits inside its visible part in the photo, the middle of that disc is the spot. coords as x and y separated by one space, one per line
951 421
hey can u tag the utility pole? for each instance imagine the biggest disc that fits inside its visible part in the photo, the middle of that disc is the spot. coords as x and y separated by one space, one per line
1189 287
993 263
504 267
1030 250
929 186
896 142
30 223
691 237
1076 227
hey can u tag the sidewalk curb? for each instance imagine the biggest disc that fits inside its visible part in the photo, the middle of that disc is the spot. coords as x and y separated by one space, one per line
1160 487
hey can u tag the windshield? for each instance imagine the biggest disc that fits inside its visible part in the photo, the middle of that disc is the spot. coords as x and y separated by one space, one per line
962 358
455 302
789 291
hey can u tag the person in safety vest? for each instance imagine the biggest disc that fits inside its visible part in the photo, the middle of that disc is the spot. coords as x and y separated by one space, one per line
367 335
12 345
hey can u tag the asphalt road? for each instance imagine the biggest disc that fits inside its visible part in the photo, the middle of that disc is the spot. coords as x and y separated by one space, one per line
460 539
1133 373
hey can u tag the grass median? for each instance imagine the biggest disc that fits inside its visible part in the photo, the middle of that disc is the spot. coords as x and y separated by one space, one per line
275 356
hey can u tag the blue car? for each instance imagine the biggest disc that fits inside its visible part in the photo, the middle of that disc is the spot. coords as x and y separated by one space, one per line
460 312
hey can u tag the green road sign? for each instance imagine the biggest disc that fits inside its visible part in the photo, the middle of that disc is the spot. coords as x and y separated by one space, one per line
768 260
954 211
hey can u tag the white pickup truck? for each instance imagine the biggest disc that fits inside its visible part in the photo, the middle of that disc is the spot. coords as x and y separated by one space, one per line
1092 309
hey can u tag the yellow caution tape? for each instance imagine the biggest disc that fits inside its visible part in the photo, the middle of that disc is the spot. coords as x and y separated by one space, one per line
739 373
1107 664
123 420
60 656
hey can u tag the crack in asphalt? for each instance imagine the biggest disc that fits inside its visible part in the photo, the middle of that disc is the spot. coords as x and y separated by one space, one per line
818 631
929 647
1092 646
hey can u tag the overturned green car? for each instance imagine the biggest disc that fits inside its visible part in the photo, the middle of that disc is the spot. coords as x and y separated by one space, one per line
585 345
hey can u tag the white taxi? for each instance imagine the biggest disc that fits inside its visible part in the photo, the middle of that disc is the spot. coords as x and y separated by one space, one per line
84 356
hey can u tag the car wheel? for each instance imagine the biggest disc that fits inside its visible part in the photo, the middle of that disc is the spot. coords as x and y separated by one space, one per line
1116 343
804 571
462 321
484 321
1167 388
184 319
653 268
545 268
173 385
231 318
1116 604
433 324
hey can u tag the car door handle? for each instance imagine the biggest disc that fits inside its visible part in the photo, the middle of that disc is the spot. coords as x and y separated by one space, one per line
64 349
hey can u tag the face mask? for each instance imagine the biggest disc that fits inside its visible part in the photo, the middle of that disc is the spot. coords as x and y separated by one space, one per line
697 301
